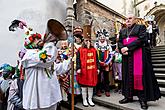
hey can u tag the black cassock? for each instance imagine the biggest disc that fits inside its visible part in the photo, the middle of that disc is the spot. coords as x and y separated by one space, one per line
150 90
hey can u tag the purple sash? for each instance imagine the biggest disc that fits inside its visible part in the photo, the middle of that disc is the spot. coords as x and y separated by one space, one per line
137 64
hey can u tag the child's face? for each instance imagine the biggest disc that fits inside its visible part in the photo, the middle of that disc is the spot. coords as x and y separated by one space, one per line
78 40
59 52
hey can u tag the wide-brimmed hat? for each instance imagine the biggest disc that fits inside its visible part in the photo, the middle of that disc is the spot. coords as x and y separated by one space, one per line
55 31
78 32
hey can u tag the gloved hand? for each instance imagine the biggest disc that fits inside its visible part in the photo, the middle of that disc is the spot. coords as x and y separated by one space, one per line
79 71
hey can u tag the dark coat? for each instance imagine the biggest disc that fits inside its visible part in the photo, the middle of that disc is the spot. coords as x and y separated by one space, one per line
151 89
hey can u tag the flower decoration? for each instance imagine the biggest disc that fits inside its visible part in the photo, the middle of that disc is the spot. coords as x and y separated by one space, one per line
43 56
29 42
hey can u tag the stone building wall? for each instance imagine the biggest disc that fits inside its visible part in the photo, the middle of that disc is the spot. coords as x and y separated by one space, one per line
99 16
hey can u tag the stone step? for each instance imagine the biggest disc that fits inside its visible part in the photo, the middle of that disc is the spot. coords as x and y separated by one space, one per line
162 65
96 107
79 106
161 81
158 61
160 75
159 69
158 52
162 90
112 103
156 55
158 49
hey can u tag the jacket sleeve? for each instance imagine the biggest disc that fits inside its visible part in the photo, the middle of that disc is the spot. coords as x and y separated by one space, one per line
78 61
97 61
63 67
16 101
33 58
140 41
13 95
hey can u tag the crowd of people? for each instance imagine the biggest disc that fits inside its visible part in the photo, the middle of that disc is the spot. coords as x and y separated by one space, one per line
42 77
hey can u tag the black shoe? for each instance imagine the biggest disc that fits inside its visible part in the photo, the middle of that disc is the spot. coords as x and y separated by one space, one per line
126 100
144 105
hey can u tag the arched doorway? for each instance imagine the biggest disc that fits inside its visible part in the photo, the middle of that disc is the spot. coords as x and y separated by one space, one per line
159 12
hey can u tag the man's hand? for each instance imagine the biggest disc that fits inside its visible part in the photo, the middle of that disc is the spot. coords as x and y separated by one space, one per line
124 50
79 71
126 53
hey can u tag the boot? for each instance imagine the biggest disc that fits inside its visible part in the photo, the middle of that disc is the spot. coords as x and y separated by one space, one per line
90 95
84 96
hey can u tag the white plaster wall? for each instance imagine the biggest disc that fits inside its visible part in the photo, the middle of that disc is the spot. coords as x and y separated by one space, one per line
35 13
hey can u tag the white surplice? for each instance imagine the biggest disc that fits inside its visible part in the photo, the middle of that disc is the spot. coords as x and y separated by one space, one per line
40 91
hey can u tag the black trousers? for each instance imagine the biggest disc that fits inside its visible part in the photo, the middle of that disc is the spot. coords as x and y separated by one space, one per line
103 81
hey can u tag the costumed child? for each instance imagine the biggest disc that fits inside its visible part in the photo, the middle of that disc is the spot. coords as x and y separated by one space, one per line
7 71
105 57
16 87
64 78
41 89
78 36
87 66
117 69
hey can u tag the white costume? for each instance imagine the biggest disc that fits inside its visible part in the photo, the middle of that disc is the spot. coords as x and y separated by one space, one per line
39 91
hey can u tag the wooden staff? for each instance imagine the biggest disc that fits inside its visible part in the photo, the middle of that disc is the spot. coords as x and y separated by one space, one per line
72 68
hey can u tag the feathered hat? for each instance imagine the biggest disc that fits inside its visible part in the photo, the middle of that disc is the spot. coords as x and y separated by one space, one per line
87 31
55 31
29 34
102 34
78 32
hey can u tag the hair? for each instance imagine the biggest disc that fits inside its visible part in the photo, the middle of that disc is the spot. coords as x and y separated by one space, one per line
85 46
131 14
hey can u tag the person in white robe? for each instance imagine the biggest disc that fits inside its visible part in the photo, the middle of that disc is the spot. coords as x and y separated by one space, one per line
41 91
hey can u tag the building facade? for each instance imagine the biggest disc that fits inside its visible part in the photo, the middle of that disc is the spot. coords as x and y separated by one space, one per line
156 8
142 8
98 16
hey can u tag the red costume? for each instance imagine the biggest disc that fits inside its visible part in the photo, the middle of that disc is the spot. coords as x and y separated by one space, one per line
88 64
